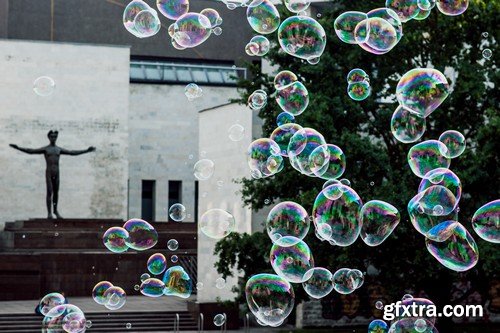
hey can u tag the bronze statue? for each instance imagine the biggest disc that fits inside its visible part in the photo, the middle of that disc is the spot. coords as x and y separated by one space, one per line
52 153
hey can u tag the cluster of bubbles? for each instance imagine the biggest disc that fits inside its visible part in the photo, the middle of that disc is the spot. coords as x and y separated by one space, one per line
421 9
112 297
60 317
291 94
257 100
258 46
193 91
192 29
140 19
135 234
44 86
358 84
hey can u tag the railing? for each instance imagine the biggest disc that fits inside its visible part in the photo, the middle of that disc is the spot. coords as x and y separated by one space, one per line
169 72
246 323
177 323
190 265
201 322
223 328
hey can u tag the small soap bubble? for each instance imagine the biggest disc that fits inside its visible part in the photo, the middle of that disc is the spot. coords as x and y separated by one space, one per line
199 285
379 305
219 320
44 86
485 34
487 53
174 258
137 287
145 276
220 283
217 31
420 325
172 244
177 212
236 132
204 169
192 91
128 326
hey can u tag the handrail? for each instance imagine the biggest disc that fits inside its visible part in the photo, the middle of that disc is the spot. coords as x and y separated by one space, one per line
201 322
223 328
174 64
246 323
176 323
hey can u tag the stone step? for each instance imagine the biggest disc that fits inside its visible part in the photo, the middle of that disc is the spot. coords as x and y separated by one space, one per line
92 224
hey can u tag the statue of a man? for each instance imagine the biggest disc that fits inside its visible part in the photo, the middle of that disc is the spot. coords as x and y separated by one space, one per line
52 153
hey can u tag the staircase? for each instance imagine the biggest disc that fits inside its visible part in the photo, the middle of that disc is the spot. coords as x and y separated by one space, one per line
107 322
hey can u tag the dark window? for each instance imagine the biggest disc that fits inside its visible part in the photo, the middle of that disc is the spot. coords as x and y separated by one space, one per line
148 200
174 192
196 194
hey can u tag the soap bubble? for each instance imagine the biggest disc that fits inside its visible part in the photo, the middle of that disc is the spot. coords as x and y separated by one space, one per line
157 264
406 126
292 262
144 277
147 23
420 325
302 37
441 231
282 135
217 223
346 23
287 219
73 320
422 90
327 161
487 53
293 98
204 169
359 91
192 91
44 86
339 206
391 17
128 326
257 100
459 252
426 4
174 258
177 282
422 15
378 219
258 46
236 132
152 287
285 118
232 4
357 75
377 34
344 281
264 156
435 200
213 16
300 148
172 244
50 301
319 282
345 181
177 212
115 239
426 156
270 298
379 305
115 298
263 16
454 142
378 326
219 320
284 79
199 285
422 221
142 235
452 7
444 177
173 9
129 14
486 221
217 31
358 277
220 283
406 9
297 6
98 292
191 29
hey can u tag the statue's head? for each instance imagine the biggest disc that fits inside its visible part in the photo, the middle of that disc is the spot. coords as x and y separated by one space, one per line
52 135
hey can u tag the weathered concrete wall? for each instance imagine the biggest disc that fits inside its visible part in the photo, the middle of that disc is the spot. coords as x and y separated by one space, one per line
89 107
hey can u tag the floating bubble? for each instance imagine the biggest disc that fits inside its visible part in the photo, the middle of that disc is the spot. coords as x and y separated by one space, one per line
292 262
270 298
324 231
74 320
435 200
177 212
345 181
115 239
152 287
98 292
452 7
285 118
258 46
257 100
115 298
173 9
376 35
177 282
220 283
408 325
129 14
147 23
174 258
157 264
327 162
426 4
357 75
378 326
406 9
344 281
193 91
142 235
441 231
204 169
359 91
379 219
358 277
422 14
487 53
379 305
217 31
454 142
284 79
302 37
390 16
219 319
319 282
213 16
50 301
172 244
287 219
263 16
264 156
339 206
486 221
217 223
236 132
426 156
297 6
422 90
422 221
199 285
300 148
459 252
406 126
44 86
282 135
420 325
293 98
128 326
144 277
191 29
232 4
444 177
346 23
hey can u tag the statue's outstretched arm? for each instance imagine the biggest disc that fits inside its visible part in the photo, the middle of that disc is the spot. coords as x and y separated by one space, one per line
29 150
76 152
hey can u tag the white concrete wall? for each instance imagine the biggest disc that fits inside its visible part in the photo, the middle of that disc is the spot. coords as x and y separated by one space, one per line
89 107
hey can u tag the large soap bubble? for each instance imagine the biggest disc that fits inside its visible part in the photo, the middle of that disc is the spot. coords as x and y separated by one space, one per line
444 177
115 298
142 235
378 326
407 126
191 29
346 23
282 135
157 264
454 142
426 156
346 280
292 262
406 9
129 14
115 239
264 157
301 146
302 37
152 287
422 221
204 169
173 9
379 219
293 98
287 219
452 7
486 221
258 46
217 223
327 162
263 16
177 282
435 200
319 282
377 34
99 290
50 301
147 23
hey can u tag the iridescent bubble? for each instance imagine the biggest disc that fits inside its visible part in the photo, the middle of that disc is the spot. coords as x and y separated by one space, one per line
204 169
378 326
422 14
359 91
50 301
177 282
220 283
284 79
257 100
284 118
129 14
270 298
192 29
452 7
319 282
339 206
426 4
442 231
407 297
282 135
486 221
324 231
407 322
420 325
287 219
487 53
344 281
236 132
259 46
435 200
406 126
444 177
177 212
157 264
346 23
459 252
142 235
379 305
293 98
152 287
408 325
357 75
251 48
174 258
422 90
358 277
406 9
217 223
115 239
379 219
193 91
263 16
302 37
426 156
292 262
172 244
147 23
422 221
297 6
327 162
115 298
173 9
44 86
219 320
390 16
217 31
454 142
232 4
264 156
73 320
144 277
213 16
98 292
301 146
377 34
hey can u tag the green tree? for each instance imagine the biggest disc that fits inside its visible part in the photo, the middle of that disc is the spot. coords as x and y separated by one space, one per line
376 163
